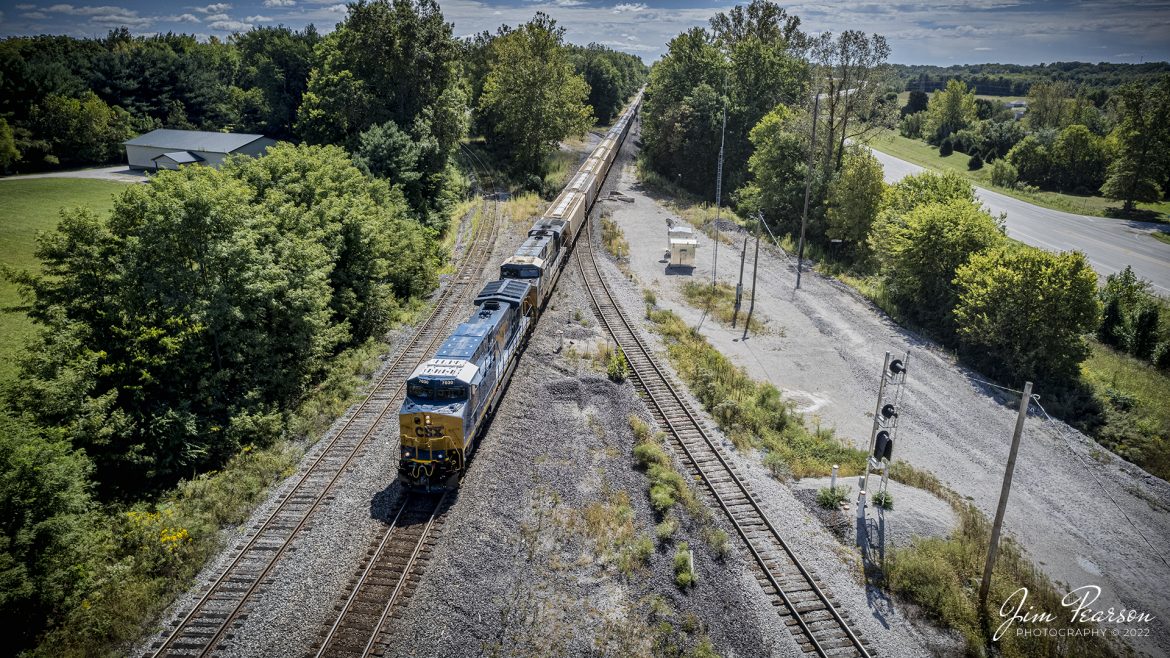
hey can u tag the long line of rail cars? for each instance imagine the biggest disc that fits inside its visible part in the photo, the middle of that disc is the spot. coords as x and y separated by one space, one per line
449 397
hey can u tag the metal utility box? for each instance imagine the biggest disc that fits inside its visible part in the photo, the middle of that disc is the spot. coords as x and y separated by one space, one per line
682 245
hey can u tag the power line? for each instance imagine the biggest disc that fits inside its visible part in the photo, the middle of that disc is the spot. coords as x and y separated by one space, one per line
1100 485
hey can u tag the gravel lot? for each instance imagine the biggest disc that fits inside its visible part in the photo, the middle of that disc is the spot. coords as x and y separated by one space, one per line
824 349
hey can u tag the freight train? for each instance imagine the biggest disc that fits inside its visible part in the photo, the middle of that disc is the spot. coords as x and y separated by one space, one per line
450 396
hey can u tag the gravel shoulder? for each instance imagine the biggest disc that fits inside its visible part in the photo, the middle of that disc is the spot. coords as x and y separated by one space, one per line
1082 520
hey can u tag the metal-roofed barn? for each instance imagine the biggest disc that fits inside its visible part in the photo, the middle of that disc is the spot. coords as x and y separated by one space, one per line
169 149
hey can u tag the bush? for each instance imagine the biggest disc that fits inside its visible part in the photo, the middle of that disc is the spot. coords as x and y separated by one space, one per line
832 497
1143 334
884 499
1023 312
684 573
665 530
635 555
924 250
719 542
946 148
649 454
974 162
616 368
1162 355
1003 173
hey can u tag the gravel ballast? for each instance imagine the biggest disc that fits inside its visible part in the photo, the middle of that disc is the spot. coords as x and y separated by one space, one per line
1081 519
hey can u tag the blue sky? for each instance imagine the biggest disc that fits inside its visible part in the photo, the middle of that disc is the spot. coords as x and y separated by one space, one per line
919 31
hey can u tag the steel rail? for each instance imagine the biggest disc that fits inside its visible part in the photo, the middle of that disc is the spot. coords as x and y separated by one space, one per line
376 564
431 329
635 346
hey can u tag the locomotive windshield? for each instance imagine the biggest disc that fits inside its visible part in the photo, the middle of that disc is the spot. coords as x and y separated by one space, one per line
436 392
520 272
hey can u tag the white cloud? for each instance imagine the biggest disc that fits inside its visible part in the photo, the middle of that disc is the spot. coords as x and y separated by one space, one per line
34 15
279 3
104 16
24 7
337 9
982 48
258 19
185 18
629 7
217 8
218 17
230 26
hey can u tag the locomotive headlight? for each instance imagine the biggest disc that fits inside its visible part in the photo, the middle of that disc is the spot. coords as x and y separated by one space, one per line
428 419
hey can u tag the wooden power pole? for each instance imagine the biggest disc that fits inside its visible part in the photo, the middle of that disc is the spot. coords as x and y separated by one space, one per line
1025 399
739 286
755 270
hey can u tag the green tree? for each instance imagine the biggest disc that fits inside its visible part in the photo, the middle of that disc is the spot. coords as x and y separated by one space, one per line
1023 312
1078 159
1050 105
921 252
532 96
392 60
1003 173
949 111
276 61
1142 135
8 152
82 130
682 112
778 166
185 325
855 197
1032 160
851 77
46 528
924 188
916 103
750 61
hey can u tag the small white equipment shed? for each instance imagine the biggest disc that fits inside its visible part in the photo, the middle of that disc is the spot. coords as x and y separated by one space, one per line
169 149
682 244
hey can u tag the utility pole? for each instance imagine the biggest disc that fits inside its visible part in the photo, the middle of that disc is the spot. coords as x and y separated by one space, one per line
719 192
993 548
812 148
755 270
739 286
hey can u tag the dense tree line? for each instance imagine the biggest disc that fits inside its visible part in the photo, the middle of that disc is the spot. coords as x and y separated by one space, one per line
390 84
1017 79
107 90
612 76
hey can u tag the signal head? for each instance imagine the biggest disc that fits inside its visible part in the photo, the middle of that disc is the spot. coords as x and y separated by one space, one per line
897 367
888 411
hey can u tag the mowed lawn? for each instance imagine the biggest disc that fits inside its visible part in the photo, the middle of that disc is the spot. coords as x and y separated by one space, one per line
26 207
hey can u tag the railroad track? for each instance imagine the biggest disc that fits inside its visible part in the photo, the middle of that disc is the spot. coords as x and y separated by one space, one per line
389 574
807 609
224 602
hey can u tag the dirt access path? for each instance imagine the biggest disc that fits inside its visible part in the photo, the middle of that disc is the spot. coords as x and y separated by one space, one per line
824 350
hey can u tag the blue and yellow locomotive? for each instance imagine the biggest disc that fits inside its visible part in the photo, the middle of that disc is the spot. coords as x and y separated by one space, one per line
449 396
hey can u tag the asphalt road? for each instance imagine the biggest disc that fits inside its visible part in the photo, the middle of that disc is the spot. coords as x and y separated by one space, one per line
1109 244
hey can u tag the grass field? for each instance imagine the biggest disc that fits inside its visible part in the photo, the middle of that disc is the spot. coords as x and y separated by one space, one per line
925 155
1134 395
26 207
